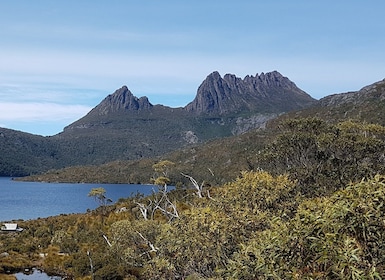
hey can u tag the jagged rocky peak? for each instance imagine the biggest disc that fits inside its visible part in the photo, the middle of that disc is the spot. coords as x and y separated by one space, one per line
122 100
231 94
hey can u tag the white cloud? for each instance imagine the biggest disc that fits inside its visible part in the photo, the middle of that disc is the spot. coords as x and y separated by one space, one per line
39 118
40 112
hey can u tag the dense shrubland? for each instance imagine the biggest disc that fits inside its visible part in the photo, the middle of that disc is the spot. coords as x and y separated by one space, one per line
313 208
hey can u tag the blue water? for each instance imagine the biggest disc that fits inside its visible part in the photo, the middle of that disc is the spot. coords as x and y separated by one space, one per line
32 200
35 275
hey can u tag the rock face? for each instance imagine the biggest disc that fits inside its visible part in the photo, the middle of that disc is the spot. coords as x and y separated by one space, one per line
122 100
266 93
375 91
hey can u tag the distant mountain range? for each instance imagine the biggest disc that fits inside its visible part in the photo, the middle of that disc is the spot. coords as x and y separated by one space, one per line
125 127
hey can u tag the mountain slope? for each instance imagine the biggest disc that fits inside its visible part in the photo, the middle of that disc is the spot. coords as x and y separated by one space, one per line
23 153
125 127
227 157
365 105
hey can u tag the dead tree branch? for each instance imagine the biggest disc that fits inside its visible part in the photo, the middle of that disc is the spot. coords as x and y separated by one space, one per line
198 187
149 244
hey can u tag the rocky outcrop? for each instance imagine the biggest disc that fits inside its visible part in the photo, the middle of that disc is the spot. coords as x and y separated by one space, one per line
122 100
375 91
258 121
265 93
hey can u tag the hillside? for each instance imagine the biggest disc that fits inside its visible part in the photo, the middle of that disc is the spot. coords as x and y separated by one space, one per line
23 153
125 127
320 217
364 105
214 162
228 156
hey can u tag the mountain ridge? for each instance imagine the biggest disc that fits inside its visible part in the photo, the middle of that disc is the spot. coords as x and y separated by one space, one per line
250 102
125 127
217 95
374 90
135 129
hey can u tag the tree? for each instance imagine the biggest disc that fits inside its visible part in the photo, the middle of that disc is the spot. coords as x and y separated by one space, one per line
163 167
99 194
162 170
159 202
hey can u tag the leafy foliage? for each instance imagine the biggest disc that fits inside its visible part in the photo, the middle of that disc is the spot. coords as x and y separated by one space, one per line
257 227
323 157
339 237
316 212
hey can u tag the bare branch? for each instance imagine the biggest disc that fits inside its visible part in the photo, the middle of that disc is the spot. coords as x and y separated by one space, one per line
211 172
164 203
153 248
196 185
91 265
209 196
108 242
143 209
161 202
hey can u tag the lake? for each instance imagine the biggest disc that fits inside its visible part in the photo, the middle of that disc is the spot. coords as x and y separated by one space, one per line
36 275
32 200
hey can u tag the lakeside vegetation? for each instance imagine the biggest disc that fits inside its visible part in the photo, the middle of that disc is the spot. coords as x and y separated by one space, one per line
308 205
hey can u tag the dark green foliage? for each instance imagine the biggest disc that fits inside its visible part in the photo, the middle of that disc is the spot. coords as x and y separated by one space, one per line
23 154
324 157
215 163
123 136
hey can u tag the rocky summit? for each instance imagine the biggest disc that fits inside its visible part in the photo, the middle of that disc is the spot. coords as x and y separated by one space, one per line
265 93
121 99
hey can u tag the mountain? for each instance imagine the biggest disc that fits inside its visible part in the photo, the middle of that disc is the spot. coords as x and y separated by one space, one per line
371 93
221 160
364 105
122 99
125 127
264 93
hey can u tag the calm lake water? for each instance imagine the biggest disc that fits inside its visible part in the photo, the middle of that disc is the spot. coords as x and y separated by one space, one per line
35 275
31 200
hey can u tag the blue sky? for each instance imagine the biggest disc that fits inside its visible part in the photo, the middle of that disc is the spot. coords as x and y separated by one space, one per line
59 59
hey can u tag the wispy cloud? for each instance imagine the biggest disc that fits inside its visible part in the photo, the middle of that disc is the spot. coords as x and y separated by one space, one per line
39 118
166 74
45 112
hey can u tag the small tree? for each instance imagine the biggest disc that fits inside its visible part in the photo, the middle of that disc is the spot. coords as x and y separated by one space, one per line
163 167
160 200
99 194
162 170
